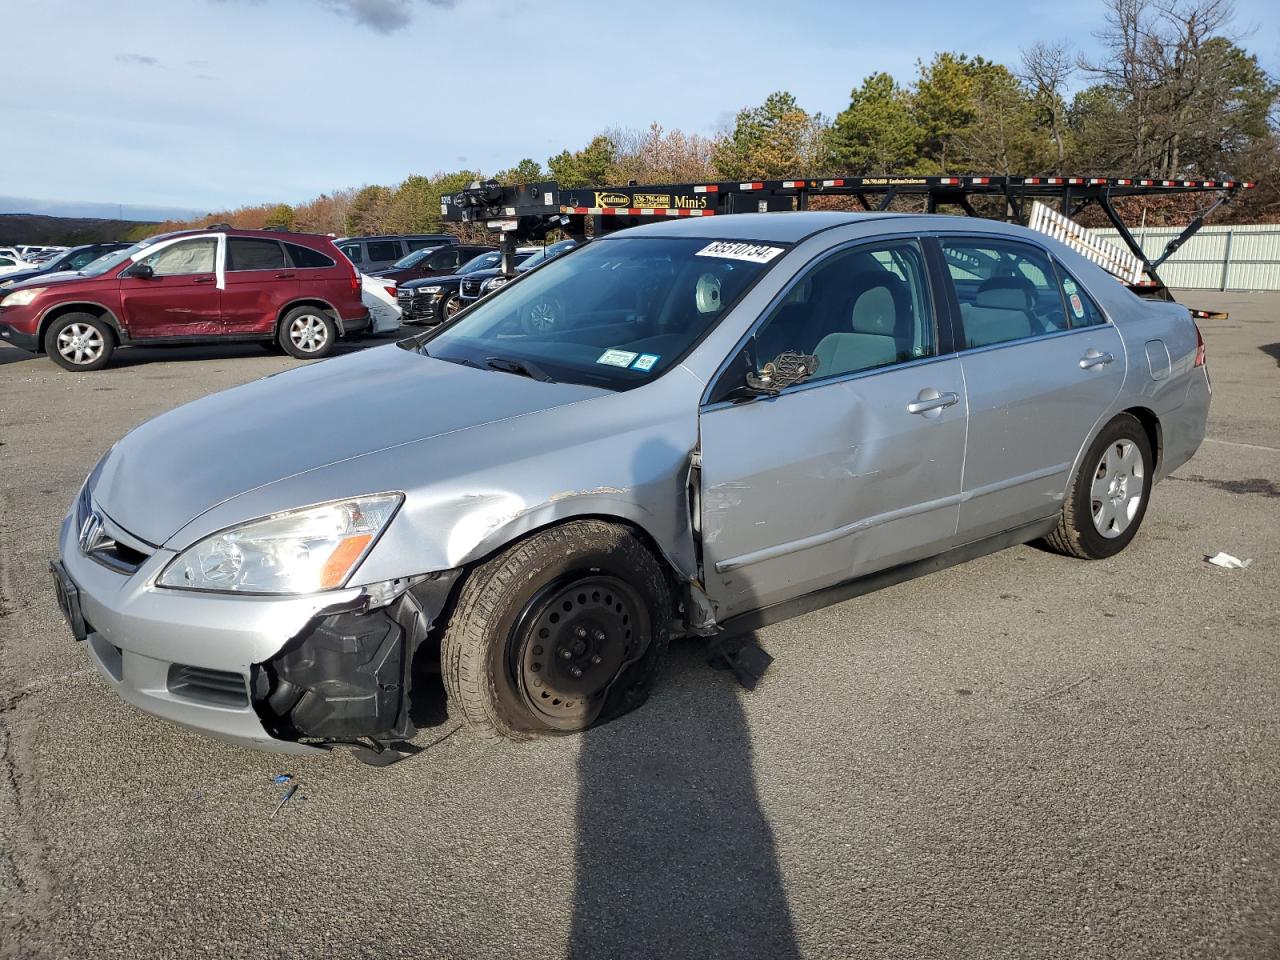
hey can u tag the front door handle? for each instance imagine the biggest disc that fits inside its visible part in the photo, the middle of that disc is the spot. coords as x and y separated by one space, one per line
931 401
284 276
1095 358
203 279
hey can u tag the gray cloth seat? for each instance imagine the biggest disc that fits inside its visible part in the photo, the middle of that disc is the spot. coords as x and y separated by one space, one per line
1002 311
875 319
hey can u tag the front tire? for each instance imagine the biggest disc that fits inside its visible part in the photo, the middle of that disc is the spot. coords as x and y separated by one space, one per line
79 341
562 630
307 333
451 306
1109 495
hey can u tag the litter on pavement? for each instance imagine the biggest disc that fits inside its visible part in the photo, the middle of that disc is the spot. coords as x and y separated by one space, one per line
1221 559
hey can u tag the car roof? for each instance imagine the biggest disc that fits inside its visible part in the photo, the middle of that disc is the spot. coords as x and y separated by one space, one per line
792 227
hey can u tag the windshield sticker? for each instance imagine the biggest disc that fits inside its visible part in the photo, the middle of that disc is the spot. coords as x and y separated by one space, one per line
645 362
617 358
736 250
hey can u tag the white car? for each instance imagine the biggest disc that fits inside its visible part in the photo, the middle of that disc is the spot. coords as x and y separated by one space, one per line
379 295
12 264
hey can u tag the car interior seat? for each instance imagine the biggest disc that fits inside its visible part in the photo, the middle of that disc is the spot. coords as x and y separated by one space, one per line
1004 309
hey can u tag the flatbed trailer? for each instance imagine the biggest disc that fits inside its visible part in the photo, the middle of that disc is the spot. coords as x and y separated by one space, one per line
531 211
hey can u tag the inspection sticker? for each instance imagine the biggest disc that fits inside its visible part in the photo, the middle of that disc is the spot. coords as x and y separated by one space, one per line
1077 307
617 358
646 362
737 250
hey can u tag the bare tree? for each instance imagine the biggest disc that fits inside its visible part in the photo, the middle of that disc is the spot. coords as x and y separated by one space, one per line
1046 68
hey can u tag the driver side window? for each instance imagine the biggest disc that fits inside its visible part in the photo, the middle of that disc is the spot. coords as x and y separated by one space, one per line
857 310
185 257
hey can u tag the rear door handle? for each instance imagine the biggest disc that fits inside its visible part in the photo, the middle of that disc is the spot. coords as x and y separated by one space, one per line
930 400
1095 358
284 276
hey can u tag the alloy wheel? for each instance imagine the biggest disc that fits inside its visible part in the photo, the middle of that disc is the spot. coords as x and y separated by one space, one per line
308 333
81 343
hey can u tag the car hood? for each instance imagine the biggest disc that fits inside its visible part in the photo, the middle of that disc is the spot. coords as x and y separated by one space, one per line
183 463
34 278
418 282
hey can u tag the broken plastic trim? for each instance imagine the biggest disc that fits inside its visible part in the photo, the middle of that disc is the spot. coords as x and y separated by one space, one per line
347 677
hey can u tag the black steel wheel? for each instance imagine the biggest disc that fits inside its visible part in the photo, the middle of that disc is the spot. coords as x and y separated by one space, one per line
563 630
570 643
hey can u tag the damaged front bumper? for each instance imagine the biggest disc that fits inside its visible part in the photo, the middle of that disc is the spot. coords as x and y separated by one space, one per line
291 674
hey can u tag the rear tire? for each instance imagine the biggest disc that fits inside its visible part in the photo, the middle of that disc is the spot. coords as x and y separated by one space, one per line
563 630
80 342
1109 495
307 333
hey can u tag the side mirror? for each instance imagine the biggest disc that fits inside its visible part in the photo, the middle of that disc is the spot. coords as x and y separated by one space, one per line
142 271
782 371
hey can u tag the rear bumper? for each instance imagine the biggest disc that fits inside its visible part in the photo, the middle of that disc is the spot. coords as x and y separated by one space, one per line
356 324
24 341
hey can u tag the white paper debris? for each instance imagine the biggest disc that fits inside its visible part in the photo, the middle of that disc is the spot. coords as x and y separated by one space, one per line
1227 560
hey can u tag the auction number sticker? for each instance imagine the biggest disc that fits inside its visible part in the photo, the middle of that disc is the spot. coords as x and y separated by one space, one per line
737 250
617 358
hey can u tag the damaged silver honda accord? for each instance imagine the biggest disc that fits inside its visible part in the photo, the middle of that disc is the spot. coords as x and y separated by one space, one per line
685 428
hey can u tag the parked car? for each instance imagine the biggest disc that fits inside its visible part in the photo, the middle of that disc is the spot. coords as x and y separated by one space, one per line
731 419
68 262
194 286
432 262
437 298
477 285
13 264
378 253
379 295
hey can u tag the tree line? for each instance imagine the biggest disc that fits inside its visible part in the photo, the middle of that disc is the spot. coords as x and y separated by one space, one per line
1172 92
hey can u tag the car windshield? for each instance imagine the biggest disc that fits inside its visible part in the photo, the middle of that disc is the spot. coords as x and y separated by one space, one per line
412 259
616 313
482 262
547 253
108 260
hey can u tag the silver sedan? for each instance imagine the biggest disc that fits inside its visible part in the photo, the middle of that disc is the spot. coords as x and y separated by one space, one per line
688 428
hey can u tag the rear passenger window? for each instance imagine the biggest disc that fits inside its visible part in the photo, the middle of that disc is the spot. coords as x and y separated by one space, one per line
306 257
244 253
352 252
857 310
1081 309
1007 291
383 249
419 243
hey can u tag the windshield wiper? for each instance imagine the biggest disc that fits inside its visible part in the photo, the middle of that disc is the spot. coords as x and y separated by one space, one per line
523 367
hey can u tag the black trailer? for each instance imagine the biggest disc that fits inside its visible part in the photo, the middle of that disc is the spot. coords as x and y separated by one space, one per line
531 211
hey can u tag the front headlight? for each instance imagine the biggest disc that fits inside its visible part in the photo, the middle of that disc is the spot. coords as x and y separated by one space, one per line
494 283
302 551
20 298
434 289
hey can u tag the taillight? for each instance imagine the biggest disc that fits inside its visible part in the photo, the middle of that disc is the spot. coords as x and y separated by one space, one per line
391 291
1200 357
355 283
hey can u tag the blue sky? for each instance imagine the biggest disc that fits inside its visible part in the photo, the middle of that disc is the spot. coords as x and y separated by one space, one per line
203 104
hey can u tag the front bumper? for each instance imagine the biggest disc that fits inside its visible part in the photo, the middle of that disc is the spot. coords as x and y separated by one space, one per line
9 333
428 308
178 654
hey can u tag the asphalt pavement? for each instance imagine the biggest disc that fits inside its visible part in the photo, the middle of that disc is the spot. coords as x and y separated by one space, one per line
1023 756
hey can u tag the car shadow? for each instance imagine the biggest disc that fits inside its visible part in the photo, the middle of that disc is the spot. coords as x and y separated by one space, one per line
675 855
1272 350
10 354
126 357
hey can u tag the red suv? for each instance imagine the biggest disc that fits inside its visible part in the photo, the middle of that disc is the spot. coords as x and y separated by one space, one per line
198 286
